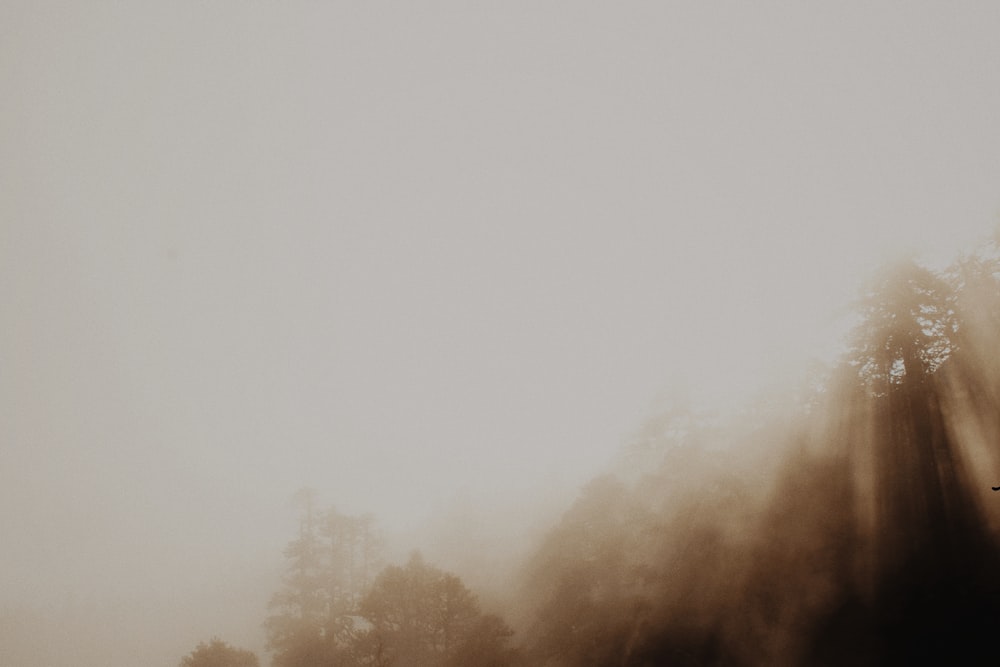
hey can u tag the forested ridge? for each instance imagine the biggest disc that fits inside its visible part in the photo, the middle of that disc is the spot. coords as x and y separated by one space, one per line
851 521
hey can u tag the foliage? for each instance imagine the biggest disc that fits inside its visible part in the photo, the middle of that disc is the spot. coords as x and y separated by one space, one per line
331 564
218 653
333 612
847 528
907 329
869 544
420 615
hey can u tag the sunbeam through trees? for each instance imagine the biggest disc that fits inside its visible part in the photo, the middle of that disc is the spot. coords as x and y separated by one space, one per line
850 522
870 540
849 519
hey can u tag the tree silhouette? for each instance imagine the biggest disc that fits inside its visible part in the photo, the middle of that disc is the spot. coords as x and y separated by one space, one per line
313 618
422 616
865 543
218 653
931 559
907 328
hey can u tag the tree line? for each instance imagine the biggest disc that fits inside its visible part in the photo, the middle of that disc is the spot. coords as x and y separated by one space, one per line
341 606
854 524
851 524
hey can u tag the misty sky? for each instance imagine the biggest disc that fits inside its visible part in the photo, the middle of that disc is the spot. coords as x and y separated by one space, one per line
412 252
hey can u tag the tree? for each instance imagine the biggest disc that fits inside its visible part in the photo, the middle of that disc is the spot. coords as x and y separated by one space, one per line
313 617
422 616
865 545
295 629
218 653
907 328
929 563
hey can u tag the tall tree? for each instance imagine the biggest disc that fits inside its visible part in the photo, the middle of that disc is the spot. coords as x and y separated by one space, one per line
312 621
295 626
907 326
931 557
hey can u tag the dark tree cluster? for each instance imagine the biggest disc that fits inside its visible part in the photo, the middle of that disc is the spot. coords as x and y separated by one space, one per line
871 541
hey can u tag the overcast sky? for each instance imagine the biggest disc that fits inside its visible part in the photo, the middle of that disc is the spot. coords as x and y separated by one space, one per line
409 252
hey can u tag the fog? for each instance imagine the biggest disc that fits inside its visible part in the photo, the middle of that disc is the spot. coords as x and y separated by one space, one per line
447 265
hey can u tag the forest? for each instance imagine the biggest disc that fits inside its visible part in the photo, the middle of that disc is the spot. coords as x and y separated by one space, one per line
850 520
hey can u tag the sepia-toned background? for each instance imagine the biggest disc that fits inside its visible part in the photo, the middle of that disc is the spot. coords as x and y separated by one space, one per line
426 258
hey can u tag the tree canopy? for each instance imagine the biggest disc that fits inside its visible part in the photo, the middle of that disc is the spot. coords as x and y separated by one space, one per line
218 653
421 615
331 564
849 527
864 537
334 611
907 329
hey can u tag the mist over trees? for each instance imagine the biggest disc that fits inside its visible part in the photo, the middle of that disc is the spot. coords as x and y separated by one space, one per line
420 615
335 610
869 540
218 653
330 565
850 521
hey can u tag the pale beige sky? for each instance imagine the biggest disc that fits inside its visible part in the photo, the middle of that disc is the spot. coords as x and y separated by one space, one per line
405 251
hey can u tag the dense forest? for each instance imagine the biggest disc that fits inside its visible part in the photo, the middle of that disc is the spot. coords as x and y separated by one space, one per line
850 521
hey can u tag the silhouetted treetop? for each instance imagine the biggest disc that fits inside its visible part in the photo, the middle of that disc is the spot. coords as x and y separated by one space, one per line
333 610
907 326
856 536
218 653
330 566
421 615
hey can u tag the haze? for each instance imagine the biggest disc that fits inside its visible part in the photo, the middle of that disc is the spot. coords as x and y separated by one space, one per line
420 255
